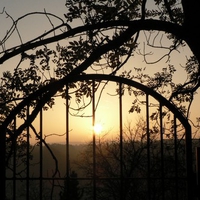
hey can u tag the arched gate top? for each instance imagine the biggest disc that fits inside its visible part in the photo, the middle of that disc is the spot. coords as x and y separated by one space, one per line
147 90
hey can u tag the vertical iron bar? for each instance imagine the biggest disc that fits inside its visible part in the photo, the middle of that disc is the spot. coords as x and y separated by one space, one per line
14 143
27 156
67 141
121 141
148 148
94 140
189 162
41 152
198 171
3 162
176 156
162 151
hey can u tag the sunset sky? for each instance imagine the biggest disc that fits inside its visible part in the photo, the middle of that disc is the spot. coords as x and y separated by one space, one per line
107 113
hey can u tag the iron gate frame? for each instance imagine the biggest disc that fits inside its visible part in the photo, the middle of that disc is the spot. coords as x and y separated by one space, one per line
97 77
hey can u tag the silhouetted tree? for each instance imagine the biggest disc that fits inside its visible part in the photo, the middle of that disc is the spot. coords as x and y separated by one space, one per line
72 190
109 32
109 35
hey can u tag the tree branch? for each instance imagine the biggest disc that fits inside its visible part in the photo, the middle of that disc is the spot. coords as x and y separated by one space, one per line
137 25
46 92
167 5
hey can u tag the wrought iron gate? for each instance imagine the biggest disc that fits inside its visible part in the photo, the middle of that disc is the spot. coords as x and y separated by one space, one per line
165 172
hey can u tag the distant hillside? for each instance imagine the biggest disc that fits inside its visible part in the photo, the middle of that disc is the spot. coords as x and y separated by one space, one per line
59 151
49 163
49 166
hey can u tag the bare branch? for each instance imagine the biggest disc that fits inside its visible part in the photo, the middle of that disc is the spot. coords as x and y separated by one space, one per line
135 25
15 27
15 22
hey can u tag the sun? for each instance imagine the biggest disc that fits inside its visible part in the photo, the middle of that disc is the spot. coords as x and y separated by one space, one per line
97 128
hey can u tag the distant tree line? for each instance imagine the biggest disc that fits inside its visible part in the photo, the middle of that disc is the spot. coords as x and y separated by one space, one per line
143 170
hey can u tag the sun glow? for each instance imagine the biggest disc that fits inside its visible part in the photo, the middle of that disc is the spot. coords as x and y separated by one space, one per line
97 128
